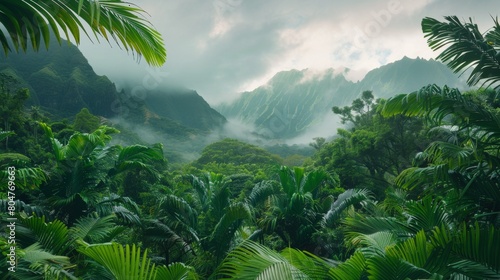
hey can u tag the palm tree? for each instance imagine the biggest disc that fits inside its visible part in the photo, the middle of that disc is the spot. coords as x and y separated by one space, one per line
83 172
293 212
31 22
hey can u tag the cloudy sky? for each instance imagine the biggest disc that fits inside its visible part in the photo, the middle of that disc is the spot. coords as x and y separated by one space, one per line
222 47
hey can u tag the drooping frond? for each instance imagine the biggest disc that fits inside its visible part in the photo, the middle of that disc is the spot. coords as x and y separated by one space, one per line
261 192
466 47
344 200
44 264
254 261
31 22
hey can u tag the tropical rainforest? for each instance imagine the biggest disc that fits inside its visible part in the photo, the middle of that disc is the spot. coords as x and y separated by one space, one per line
409 188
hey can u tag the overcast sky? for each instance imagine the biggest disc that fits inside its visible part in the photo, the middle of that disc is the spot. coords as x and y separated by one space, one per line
222 47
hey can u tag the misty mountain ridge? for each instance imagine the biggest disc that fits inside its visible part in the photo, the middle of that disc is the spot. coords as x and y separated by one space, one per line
292 107
62 82
296 104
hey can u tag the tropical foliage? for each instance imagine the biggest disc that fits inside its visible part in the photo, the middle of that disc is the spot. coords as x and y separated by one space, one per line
31 22
408 189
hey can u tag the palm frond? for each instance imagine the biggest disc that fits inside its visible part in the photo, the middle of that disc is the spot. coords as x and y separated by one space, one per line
52 236
177 208
261 191
288 180
31 21
366 225
176 271
124 262
313 180
253 261
344 200
375 243
352 269
474 250
26 177
389 267
21 206
92 229
313 266
426 214
44 263
157 232
466 47
224 230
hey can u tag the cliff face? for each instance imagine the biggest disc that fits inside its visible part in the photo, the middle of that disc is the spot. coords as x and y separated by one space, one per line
295 101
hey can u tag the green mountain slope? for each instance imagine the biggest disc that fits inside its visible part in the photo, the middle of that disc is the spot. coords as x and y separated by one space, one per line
62 82
294 102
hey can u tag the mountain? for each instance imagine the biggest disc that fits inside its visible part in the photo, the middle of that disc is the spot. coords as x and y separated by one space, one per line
298 101
407 75
185 106
62 82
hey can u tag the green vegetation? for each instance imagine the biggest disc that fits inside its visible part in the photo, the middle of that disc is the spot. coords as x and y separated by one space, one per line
31 22
408 189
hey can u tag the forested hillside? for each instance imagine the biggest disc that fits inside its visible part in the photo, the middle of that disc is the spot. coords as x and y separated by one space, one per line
407 189
294 102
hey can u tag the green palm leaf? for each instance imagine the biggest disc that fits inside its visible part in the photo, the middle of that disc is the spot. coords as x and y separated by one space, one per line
124 262
313 266
92 229
52 236
177 208
474 250
344 200
22 207
389 267
352 269
314 179
261 192
30 21
43 263
138 157
253 261
466 47
368 225
375 243
157 232
176 271
426 214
